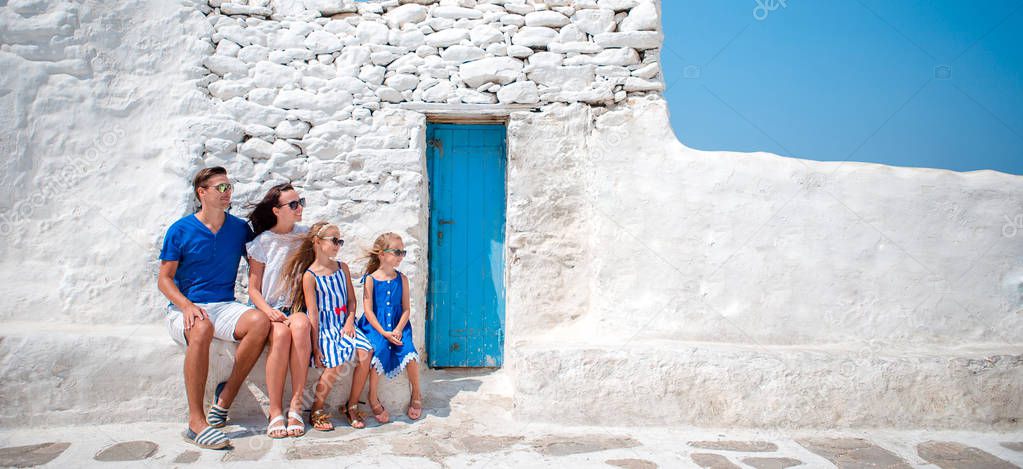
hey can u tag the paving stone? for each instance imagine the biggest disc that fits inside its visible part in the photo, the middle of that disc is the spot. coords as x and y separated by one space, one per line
583 444
322 450
747 446
1013 445
712 461
853 453
772 463
631 463
248 449
127 451
477 444
951 455
188 457
31 455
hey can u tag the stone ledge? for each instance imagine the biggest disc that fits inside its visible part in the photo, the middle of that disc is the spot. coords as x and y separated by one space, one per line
721 385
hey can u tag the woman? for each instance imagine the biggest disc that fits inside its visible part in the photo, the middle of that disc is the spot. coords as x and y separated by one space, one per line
274 222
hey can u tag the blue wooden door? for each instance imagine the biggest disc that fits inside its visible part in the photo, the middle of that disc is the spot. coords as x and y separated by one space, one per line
465 310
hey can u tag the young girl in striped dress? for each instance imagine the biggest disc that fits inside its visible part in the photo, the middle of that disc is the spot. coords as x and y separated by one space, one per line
324 286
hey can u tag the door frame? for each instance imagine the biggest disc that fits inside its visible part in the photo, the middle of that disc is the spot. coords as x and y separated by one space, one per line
467 120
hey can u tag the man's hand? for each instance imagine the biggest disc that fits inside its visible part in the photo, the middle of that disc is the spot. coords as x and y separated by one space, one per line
193 313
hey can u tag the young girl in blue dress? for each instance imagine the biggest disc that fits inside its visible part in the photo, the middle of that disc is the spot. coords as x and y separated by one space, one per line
385 321
323 285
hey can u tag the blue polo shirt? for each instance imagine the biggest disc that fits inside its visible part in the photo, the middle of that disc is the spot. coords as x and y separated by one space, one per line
207 262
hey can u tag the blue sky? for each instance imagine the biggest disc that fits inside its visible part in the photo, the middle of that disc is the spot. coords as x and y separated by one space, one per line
902 82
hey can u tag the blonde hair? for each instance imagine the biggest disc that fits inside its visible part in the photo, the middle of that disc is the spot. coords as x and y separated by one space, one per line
379 245
300 260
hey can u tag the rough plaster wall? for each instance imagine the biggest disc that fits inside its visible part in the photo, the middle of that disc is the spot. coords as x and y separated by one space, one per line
96 98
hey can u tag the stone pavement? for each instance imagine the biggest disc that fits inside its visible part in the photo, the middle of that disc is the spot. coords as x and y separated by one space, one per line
468 424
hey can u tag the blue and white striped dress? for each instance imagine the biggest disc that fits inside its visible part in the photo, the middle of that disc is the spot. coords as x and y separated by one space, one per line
332 301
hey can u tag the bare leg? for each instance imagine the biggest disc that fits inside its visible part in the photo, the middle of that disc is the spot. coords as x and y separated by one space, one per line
277 367
359 376
197 367
379 412
252 330
415 409
301 348
323 387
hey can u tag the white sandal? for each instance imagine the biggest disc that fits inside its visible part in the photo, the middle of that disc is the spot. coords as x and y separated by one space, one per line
300 427
271 428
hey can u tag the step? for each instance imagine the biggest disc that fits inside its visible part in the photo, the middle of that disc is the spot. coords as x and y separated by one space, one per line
727 385
67 374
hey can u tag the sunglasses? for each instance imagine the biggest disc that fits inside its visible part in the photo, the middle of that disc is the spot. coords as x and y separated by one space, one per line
337 241
397 252
294 204
222 187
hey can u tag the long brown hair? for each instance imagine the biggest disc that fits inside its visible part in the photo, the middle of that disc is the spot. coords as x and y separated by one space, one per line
262 215
297 263
374 253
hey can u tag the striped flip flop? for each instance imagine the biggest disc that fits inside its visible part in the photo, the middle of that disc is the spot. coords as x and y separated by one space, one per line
217 418
209 438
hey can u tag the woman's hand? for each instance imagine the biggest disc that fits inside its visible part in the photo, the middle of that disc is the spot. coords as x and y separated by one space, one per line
275 315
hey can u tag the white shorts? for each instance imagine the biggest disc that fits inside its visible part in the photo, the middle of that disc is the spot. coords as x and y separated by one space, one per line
225 316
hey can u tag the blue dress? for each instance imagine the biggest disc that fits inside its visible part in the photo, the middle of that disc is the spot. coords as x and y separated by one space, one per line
332 302
388 359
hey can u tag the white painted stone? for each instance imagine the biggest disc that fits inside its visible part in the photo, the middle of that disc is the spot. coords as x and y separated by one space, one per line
454 12
371 32
519 8
530 36
322 42
251 113
225 65
571 33
239 9
408 13
575 47
228 48
351 60
468 96
288 38
513 20
639 84
411 39
438 93
287 56
384 57
594 22
570 78
501 70
254 53
371 74
621 57
340 28
390 95
636 39
448 37
407 64
613 71
520 92
281 147
227 89
461 54
330 7
256 148
291 129
497 49
484 35
550 19
599 93
617 5
648 71
402 82
545 59
520 52
641 18
295 99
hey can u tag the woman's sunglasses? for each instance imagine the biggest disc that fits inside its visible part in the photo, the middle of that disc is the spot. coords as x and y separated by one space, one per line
222 187
294 204
337 241
397 252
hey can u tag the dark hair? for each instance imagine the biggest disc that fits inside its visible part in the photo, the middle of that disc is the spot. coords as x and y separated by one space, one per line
262 215
204 175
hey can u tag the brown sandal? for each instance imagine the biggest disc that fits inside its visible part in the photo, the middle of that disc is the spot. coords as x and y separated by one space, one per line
356 421
321 421
381 415
417 406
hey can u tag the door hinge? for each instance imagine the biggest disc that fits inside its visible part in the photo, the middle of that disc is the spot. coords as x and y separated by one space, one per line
436 143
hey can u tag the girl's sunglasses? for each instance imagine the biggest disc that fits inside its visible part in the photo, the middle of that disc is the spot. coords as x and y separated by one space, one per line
222 187
397 252
294 204
337 241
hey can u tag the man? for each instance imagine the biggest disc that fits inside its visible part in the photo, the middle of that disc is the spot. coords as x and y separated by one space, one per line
199 264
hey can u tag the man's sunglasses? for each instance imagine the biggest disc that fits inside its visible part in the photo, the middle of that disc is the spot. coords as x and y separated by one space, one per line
294 204
337 241
222 187
397 252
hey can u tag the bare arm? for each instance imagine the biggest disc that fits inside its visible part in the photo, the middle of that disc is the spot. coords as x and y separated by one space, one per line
165 282
256 270
367 307
405 309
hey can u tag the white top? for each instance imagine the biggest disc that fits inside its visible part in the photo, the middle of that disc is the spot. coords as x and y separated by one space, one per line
273 249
